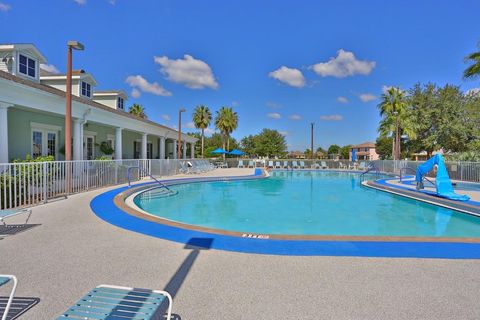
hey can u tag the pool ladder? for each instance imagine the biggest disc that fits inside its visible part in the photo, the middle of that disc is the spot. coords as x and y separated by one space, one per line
164 191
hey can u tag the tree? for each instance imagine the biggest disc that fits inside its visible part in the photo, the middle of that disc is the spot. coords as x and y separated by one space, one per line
248 145
270 143
333 149
396 118
201 119
226 121
383 147
473 71
345 152
137 110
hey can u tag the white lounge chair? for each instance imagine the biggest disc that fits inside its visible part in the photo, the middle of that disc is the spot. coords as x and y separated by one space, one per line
342 166
362 166
285 164
240 164
295 165
302 164
251 164
315 165
13 212
4 279
324 165
277 165
270 164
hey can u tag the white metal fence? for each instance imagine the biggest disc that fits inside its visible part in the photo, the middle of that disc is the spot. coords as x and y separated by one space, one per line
26 184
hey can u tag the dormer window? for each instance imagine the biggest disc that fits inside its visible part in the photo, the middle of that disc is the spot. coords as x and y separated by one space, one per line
120 103
86 89
27 66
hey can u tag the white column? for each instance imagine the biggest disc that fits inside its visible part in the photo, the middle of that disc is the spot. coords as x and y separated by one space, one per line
77 139
184 153
174 149
162 148
118 143
192 150
144 147
4 132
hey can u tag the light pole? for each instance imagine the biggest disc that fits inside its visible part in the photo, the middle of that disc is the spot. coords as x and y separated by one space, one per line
311 138
397 140
179 147
68 106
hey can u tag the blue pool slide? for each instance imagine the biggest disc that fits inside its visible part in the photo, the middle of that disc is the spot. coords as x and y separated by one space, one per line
442 181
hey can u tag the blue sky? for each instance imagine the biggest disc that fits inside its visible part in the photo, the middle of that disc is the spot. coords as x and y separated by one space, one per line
336 56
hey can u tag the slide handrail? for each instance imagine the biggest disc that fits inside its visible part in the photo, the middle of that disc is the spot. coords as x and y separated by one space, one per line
402 176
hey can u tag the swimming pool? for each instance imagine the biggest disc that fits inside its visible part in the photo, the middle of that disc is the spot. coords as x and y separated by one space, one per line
305 203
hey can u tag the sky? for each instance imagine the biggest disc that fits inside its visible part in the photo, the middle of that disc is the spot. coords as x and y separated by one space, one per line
279 64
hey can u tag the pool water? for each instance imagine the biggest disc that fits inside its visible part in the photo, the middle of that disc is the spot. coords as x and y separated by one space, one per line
306 203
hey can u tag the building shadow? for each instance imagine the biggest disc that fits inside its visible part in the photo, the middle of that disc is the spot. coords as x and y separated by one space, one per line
176 281
13 229
19 306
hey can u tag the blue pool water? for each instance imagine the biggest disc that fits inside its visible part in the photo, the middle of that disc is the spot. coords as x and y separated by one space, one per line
306 203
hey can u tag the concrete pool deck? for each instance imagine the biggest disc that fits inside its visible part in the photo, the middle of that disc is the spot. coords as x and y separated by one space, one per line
72 251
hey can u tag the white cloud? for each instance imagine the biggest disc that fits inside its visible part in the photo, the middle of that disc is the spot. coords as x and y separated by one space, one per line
294 117
283 133
191 72
139 83
342 100
165 117
49 68
209 131
274 105
5 7
81 2
473 91
365 97
343 65
331 117
190 125
135 93
291 76
274 115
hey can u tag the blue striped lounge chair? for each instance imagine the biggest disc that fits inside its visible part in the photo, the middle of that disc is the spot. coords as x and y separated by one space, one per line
13 212
4 279
112 302
240 164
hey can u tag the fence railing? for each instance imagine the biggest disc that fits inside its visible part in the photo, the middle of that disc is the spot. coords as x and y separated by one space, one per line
30 183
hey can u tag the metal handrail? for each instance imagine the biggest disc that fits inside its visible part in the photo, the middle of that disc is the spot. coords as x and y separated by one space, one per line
129 170
371 167
414 172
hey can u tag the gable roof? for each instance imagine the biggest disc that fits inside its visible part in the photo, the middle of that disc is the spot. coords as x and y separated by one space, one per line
24 46
364 145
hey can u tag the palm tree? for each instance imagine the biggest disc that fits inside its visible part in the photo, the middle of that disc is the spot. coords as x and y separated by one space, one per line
201 118
226 121
395 118
138 111
472 71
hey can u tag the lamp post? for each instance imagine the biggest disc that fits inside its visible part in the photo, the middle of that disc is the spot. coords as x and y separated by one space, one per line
311 138
396 155
179 146
68 107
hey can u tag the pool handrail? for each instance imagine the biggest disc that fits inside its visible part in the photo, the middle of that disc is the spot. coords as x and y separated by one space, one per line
149 175
4 279
402 176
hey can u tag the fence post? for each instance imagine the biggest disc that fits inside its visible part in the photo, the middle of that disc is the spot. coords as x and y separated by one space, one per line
44 170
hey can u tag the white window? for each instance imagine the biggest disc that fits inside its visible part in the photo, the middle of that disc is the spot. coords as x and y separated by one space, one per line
44 142
86 89
120 103
27 66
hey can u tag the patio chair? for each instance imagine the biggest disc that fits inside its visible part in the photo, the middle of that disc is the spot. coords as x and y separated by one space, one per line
4 279
240 164
324 165
113 302
13 212
302 164
251 164
277 165
285 164
270 164
295 165
315 165
362 166
342 166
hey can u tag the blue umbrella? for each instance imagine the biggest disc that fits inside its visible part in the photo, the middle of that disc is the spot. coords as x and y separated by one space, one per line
236 152
354 155
219 151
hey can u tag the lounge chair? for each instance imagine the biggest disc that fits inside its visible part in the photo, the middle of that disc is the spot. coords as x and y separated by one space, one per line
285 164
240 164
251 164
315 165
324 165
352 166
302 164
113 302
295 165
270 164
342 166
277 165
362 166
13 212
4 279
